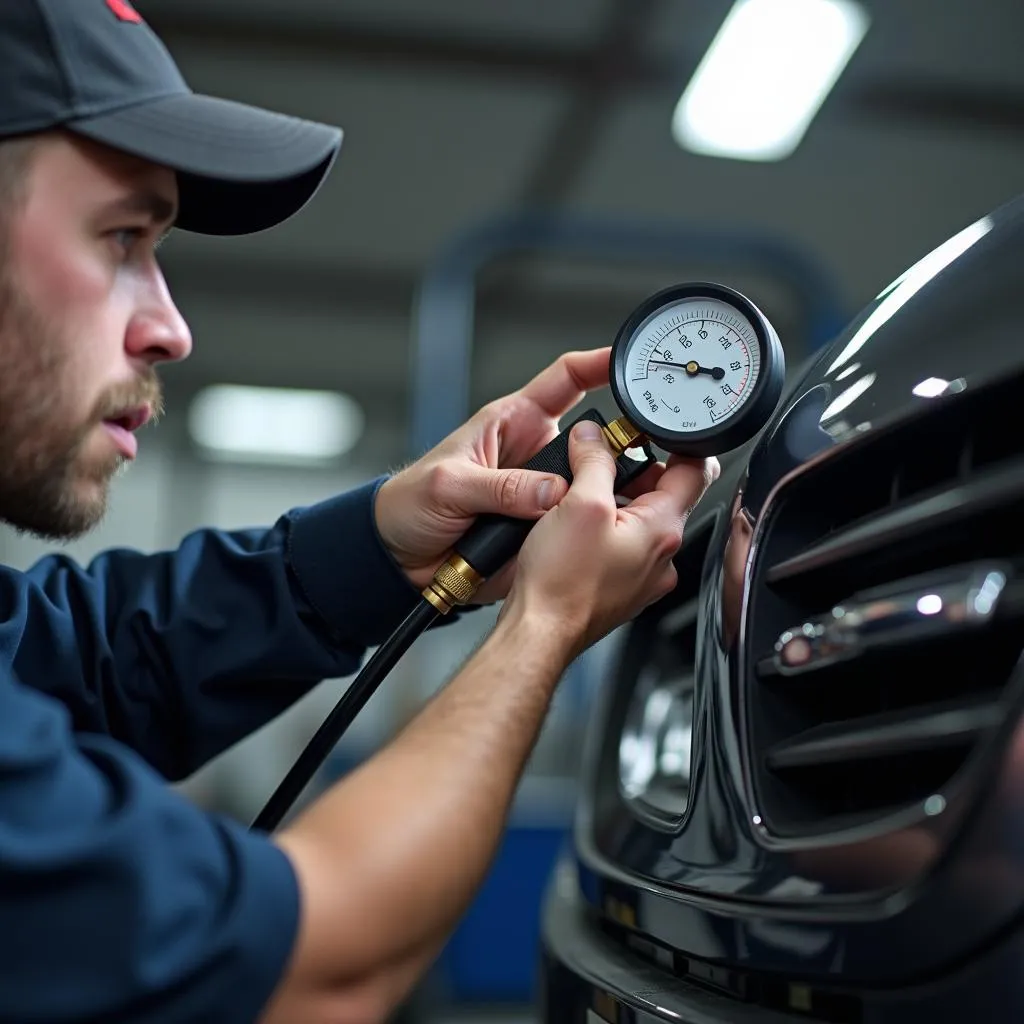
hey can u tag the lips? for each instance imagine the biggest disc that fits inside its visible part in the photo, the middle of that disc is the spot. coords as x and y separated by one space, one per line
130 419
121 425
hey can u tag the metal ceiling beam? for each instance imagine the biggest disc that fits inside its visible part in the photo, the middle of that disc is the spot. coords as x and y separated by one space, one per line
357 290
307 286
411 49
612 66
946 105
571 144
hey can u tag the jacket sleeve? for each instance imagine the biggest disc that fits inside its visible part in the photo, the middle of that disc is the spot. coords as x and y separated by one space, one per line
181 654
119 899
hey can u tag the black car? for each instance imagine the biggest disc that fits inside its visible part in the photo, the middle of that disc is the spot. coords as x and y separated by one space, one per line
803 792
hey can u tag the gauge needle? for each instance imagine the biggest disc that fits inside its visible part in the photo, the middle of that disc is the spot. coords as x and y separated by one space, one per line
693 368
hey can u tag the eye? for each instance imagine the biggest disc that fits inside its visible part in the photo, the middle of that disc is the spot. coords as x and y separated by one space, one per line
127 238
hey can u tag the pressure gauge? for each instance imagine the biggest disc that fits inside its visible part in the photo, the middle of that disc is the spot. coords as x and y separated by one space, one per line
698 369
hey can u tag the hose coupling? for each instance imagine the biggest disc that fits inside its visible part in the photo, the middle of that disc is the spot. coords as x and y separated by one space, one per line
453 584
621 434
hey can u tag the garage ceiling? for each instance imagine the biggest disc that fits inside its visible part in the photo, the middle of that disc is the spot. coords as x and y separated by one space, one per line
458 111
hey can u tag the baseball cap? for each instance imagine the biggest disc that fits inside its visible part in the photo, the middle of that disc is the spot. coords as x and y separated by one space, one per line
95 68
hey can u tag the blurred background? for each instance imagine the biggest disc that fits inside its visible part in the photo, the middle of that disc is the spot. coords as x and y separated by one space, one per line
514 178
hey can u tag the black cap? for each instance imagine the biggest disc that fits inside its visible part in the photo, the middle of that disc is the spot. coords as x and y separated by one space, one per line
95 68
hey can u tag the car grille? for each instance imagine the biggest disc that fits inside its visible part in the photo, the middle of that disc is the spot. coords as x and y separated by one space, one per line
885 615
654 705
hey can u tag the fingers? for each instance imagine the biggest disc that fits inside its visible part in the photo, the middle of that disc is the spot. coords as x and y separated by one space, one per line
681 486
522 493
560 386
712 467
686 480
592 464
646 481
712 471
664 510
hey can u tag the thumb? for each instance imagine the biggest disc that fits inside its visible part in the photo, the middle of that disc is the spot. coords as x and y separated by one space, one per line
593 467
522 493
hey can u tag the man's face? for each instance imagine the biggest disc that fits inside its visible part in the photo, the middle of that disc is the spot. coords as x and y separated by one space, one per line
85 316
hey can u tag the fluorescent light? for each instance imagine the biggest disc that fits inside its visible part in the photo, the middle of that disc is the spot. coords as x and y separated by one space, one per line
765 76
847 397
278 425
931 388
935 387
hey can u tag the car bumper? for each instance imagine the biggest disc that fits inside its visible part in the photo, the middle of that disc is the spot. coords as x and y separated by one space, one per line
587 977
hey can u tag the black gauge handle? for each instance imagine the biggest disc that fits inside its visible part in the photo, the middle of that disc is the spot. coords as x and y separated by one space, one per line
494 539
486 546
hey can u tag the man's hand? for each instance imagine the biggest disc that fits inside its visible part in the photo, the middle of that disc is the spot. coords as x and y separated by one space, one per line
385 862
423 510
590 565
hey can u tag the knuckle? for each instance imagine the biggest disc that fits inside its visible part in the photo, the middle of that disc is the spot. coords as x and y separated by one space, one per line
596 453
567 364
440 481
668 541
491 410
510 487
667 581
588 508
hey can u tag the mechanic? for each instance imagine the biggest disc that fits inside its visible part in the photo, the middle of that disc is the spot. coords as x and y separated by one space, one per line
120 900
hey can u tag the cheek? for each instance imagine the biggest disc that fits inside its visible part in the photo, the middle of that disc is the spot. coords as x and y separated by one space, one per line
82 303
63 276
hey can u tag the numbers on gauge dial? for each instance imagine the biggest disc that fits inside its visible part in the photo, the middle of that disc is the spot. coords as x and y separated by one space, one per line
692 364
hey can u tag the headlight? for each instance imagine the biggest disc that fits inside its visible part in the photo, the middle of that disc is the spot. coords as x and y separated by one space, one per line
654 749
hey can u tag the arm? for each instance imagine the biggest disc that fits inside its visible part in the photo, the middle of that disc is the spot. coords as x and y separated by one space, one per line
180 654
120 900
389 859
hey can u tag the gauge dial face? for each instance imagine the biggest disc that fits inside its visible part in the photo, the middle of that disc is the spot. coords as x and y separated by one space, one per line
692 364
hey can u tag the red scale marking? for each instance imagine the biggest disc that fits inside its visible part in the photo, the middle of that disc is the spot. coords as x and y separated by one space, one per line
742 388
124 11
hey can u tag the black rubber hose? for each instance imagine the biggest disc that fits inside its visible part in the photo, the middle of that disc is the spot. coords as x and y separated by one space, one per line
352 702
487 546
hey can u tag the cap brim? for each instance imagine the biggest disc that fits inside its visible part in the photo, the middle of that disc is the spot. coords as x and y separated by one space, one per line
240 169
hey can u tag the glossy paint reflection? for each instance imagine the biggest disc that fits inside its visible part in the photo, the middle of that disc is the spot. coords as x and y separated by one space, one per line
719 886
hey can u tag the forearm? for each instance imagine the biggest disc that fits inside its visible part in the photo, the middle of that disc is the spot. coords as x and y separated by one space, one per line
371 1001
390 858
388 861
179 654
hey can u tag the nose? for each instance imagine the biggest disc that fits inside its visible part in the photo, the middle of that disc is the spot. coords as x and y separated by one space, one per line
157 332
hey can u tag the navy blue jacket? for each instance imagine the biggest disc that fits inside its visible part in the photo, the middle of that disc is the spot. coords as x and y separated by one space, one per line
119 899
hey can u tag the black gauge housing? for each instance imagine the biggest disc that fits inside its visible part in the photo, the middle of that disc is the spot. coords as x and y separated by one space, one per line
748 419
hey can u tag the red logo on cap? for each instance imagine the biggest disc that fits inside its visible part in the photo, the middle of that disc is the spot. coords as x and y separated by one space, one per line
125 11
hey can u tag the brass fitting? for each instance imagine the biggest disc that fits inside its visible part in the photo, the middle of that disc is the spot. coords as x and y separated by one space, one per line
621 434
454 583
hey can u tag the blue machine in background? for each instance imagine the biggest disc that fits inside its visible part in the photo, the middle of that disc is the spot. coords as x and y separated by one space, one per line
492 957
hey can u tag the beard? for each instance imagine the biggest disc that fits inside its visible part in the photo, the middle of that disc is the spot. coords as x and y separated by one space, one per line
51 485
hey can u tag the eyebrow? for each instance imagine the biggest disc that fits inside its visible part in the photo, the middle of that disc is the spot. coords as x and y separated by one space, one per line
148 202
